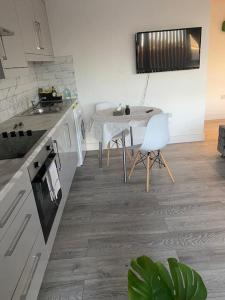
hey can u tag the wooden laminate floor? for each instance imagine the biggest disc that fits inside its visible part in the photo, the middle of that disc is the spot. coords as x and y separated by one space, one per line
106 223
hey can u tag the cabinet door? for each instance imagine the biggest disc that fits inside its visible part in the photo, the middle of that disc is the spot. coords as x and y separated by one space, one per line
43 30
31 278
64 136
73 133
70 134
13 44
61 140
12 200
26 19
16 246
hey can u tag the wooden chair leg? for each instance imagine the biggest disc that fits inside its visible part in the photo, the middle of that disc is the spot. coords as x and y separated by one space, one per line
167 167
108 153
134 164
129 155
149 170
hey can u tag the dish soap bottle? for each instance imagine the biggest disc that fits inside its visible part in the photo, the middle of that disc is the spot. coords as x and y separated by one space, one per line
66 94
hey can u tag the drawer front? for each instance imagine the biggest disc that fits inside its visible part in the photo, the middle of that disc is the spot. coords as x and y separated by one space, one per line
31 279
16 246
11 203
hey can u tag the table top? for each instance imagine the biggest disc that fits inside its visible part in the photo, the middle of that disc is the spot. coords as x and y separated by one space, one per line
137 113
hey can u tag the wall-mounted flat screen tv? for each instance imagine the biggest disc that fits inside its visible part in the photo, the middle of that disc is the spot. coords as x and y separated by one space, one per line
168 50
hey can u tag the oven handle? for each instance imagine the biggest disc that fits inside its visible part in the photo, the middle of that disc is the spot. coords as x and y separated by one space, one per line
53 160
57 150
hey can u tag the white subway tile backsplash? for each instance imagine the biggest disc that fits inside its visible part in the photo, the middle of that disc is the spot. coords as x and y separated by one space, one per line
67 67
21 85
17 91
58 73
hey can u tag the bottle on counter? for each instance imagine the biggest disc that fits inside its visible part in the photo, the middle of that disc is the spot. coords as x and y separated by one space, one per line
127 110
54 93
66 94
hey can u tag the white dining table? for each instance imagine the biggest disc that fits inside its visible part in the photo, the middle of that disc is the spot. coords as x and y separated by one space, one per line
105 126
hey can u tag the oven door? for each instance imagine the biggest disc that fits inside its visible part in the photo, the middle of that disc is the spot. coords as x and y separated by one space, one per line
46 205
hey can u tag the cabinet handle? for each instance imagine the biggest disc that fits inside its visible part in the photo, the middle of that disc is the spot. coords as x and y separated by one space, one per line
40 37
11 208
18 235
37 28
69 134
37 258
57 150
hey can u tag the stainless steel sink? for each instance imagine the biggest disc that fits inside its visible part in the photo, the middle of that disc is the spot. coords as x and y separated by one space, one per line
41 111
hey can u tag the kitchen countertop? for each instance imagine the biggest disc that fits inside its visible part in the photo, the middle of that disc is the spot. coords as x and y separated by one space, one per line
11 169
44 121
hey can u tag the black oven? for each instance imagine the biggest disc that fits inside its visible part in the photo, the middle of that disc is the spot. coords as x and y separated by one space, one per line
44 174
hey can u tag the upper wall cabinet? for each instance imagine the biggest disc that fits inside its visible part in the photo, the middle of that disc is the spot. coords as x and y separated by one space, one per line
26 19
35 29
13 46
41 19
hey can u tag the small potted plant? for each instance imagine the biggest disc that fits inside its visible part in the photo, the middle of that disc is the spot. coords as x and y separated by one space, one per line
149 280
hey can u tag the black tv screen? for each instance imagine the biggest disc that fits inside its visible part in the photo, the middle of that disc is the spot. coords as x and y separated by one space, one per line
168 50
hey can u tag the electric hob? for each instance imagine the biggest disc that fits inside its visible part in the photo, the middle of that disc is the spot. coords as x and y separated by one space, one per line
16 144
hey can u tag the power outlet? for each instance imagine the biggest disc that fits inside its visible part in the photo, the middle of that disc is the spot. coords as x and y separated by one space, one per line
222 97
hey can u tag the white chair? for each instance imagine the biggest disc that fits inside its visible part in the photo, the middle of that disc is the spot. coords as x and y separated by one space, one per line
116 139
156 138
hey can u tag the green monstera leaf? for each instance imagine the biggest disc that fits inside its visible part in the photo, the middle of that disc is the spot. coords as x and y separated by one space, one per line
148 280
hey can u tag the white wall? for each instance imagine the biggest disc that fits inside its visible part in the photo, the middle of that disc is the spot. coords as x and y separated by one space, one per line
100 36
215 105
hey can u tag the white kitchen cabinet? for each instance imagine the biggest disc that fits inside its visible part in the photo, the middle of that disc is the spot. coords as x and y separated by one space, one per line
65 133
16 246
64 136
13 44
12 200
23 252
31 278
66 142
41 17
35 29
26 18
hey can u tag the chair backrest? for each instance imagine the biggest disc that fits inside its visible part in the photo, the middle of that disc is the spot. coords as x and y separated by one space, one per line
157 133
105 105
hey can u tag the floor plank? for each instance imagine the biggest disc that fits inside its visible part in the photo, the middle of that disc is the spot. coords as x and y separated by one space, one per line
105 223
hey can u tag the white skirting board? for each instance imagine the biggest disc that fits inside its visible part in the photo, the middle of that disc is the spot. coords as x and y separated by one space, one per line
93 145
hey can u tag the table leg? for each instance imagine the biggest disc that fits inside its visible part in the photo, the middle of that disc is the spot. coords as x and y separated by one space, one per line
124 157
100 154
131 140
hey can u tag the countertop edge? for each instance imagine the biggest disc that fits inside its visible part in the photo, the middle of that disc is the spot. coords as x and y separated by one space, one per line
6 188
